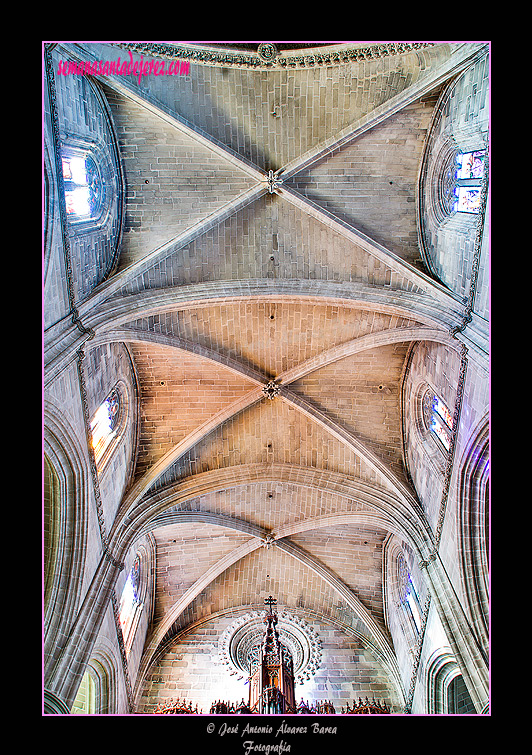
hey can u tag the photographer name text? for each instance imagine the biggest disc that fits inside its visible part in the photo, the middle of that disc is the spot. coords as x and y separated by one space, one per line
250 746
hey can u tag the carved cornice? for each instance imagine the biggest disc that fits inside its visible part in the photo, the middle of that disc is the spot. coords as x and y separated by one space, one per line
268 57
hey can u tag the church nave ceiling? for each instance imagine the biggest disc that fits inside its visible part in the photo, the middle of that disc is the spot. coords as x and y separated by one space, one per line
270 290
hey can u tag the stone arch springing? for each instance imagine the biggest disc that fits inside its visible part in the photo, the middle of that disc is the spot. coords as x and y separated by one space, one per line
104 668
85 700
97 692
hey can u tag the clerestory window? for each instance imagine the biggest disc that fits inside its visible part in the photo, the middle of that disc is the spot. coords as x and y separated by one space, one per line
438 419
83 184
130 604
441 423
105 426
409 595
468 178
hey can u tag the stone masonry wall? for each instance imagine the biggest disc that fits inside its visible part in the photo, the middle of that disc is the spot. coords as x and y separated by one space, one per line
189 670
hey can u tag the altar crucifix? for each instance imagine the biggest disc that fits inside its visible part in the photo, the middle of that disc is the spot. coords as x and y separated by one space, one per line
269 601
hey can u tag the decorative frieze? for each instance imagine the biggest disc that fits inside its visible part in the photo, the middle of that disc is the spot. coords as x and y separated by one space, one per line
267 55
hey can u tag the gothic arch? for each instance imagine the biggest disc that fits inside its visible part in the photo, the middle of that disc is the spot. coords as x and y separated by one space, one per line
132 520
423 437
401 624
142 554
442 678
49 203
66 512
104 667
436 220
121 389
473 527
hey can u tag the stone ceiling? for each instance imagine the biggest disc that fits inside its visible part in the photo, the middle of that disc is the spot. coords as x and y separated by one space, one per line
271 237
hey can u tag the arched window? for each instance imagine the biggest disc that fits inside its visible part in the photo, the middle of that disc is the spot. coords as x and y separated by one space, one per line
458 699
438 418
84 187
85 701
468 178
94 693
474 530
106 426
408 594
130 604
446 690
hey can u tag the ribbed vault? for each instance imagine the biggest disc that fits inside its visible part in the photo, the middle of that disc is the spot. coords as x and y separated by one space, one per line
255 254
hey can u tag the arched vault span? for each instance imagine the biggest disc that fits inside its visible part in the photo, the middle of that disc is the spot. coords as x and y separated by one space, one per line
399 516
374 636
434 308
341 351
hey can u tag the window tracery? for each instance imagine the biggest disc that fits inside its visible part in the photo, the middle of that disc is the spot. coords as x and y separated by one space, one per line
460 182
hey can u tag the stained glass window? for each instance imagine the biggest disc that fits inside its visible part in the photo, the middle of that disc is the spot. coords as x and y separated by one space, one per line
409 595
468 199
104 424
469 175
83 186
130 602
441 423
470 165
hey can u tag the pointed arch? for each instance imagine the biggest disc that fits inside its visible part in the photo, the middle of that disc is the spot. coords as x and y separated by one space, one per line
473 524
445 688
64 528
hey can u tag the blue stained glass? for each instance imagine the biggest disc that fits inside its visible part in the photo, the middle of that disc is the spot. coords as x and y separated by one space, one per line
440 408
468 179
113 409
441 431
